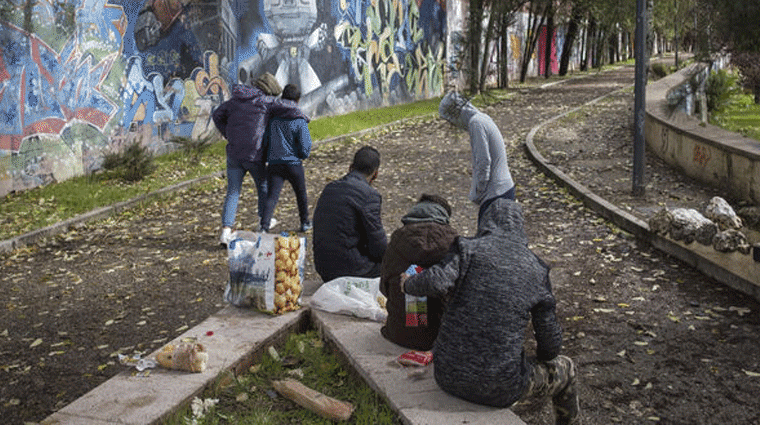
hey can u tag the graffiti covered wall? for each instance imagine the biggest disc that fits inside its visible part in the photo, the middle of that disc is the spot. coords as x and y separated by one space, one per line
80 78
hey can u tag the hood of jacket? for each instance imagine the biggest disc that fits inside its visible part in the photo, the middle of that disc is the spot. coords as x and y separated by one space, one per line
426 212
504 218
243 92
457 110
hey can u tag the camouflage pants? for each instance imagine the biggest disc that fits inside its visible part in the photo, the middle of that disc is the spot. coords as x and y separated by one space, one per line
556 379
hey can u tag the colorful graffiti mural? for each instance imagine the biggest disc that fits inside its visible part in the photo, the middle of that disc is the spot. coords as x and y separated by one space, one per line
347 54
110 72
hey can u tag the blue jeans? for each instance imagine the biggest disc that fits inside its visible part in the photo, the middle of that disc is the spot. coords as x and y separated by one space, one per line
235 173
277 174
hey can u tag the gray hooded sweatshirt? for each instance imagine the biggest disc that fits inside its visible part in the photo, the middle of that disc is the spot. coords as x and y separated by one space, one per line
490 171
494 285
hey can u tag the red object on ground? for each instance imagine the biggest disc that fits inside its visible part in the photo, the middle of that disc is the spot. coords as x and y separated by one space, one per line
416 358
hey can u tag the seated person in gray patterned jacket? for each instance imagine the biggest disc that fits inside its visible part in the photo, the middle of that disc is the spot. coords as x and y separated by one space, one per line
495 284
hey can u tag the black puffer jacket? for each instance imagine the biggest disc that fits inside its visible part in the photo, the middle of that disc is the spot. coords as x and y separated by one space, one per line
349 239
496 285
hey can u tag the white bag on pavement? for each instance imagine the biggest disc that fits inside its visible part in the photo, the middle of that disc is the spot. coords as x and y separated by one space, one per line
356 296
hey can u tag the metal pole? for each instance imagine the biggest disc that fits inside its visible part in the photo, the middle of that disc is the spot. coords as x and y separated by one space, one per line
639 98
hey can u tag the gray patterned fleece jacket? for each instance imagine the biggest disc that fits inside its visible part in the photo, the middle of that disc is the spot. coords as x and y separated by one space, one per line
495 285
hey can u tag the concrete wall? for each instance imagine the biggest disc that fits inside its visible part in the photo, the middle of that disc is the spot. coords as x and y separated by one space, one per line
80 78
702 151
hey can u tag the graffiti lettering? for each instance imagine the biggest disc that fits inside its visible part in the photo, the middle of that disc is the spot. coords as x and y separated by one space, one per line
664 143
391 36
702 155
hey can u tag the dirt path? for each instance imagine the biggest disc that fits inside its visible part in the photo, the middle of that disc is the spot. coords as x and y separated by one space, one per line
655 341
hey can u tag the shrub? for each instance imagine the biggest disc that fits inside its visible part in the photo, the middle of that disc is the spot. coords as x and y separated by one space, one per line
719 88
749 68
132 164
194 148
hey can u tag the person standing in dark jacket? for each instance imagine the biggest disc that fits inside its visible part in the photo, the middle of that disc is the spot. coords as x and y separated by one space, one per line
349 239
424 239
242 120
289 143
496 285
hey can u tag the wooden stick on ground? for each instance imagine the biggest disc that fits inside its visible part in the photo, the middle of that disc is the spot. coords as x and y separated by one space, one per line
313 400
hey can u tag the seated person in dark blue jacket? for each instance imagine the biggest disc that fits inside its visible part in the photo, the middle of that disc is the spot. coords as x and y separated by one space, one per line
349 239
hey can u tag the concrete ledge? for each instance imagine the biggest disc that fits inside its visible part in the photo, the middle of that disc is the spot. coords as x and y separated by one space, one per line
239 337
701 151
411 392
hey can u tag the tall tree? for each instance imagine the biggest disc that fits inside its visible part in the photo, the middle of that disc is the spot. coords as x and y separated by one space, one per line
536 19
576 18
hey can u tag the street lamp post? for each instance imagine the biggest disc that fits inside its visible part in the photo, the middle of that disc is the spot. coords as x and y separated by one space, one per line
639 98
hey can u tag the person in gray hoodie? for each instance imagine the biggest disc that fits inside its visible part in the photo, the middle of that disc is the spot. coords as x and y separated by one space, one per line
491 178
494 284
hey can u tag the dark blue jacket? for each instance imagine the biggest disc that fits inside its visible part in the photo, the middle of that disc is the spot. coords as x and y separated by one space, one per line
288 140
243 120
349 239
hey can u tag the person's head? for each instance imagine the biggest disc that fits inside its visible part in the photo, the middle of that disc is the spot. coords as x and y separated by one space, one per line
291 92
434 198
367 162
268 84
451 107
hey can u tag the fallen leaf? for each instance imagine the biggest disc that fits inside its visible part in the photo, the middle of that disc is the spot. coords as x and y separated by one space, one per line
741 311
604 310
750 373
36 342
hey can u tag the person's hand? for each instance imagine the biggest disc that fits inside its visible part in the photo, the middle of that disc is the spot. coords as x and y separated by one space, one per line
401 281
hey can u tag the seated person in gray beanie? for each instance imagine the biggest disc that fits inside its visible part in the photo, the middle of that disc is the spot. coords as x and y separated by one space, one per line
423 240
495 285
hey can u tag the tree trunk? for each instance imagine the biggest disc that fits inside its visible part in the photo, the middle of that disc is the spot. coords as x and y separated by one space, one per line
534 22
590 37
549 38
504 52
475 32
567 48
486 48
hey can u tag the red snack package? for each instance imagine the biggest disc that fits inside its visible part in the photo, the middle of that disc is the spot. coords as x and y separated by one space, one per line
415 358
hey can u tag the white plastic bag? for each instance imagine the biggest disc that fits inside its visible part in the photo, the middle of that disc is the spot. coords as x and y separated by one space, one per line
356 296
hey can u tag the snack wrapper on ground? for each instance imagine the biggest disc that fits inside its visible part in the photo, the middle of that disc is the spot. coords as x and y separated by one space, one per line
184 356
415 358
326 406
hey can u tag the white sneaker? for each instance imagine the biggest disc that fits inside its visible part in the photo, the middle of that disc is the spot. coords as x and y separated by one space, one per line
272 223
226 236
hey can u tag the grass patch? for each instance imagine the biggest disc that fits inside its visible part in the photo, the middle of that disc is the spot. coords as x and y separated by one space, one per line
739 114
250 398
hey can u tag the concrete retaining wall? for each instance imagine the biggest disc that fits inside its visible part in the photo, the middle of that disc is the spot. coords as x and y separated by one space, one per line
704 152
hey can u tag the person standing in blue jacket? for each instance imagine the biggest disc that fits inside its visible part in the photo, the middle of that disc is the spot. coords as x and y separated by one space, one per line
289 143
242 120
